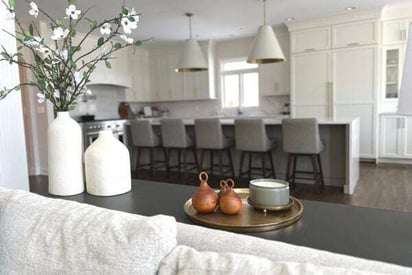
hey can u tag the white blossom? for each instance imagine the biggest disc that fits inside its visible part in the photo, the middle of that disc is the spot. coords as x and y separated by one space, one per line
34 42
59 33
40 97
126 39
44 51
56 94
88 92
127 24
34 11
105 29
72 12
77 77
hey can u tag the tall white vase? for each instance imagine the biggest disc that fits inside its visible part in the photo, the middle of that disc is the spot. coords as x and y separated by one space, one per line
107 166
65 152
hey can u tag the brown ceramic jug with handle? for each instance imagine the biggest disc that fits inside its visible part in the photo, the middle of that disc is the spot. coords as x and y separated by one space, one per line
205 199
230 203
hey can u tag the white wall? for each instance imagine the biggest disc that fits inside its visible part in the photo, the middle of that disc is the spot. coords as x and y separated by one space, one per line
13 161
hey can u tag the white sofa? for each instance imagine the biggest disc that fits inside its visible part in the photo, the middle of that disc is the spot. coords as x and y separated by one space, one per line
40 235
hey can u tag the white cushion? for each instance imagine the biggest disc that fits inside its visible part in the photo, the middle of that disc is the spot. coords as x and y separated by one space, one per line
185 260
51 236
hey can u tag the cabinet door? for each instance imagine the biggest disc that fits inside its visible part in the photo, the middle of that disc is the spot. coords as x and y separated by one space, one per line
407 137
274 79
354 74
393 32
140 90
390 142
354 34
393 62
154 77
176 79
310 40
310 94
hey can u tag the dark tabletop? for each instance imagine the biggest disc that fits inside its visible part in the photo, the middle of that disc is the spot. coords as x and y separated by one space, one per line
370 233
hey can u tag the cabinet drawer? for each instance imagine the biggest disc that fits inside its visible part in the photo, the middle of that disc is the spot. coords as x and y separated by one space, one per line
354 34
310 40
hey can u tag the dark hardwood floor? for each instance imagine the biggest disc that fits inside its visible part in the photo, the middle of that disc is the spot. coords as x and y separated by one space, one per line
380 186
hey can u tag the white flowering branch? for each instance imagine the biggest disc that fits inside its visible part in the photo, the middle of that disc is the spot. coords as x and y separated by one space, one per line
62 68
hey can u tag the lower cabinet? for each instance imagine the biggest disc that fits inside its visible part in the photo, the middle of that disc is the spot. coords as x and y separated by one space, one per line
395 137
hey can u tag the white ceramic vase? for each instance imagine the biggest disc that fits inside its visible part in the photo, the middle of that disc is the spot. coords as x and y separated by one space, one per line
107 166
65 156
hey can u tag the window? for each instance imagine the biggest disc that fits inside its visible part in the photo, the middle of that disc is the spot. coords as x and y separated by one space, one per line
240 84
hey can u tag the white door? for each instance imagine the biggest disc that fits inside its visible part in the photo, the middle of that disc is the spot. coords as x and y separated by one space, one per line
310 85
390 141
407 138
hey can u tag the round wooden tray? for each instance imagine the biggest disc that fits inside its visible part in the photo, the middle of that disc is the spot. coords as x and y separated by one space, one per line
249 219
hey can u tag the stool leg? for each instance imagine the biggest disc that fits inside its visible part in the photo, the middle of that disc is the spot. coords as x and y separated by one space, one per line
202 155
166 159
294 168
242 155
320 170
195 158
168 153
179 160
232 169
220 162
211 163
138 157
249 172
184 162
272 165
288 167
263 160
152 165
314 168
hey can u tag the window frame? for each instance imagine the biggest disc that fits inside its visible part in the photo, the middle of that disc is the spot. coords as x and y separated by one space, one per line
239 73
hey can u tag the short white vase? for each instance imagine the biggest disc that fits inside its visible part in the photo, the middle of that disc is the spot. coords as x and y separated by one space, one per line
65 156
107 166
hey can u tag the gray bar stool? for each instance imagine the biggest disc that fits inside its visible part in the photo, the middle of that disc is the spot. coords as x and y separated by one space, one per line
143 137
175 138
210 138
251 139
301 139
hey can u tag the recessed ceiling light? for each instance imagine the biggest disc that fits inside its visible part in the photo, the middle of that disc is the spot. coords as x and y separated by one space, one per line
350 8
290 19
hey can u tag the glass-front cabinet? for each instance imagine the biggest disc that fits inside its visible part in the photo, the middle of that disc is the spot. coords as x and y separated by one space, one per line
392 76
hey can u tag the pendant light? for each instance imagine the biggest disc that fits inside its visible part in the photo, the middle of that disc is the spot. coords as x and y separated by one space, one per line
192 59
266 47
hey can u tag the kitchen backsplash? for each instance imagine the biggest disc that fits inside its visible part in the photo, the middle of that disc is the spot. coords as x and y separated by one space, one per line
269 105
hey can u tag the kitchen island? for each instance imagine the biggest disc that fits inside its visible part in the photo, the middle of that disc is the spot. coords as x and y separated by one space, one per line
340 157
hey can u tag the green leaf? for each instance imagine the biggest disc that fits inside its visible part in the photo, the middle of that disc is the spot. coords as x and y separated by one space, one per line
72 32
117 45
72 2
108 65
93 24
100 41
31 31
58 22
38 59
125 10
131 18
138 43
11 4
27 35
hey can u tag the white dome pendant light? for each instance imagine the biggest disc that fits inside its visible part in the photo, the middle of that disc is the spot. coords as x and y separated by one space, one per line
192 59
266 47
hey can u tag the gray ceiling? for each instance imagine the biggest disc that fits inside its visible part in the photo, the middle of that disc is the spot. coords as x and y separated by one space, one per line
164 20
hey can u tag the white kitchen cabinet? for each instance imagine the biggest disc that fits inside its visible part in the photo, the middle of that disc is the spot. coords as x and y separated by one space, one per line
310 85
355 34
140 90
310 40
395 137
274 78
338 84
395 31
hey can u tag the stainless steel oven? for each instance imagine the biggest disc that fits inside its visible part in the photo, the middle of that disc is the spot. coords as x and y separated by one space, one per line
91 130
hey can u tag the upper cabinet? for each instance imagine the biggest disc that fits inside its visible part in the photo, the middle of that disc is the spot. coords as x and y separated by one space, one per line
274 78
310 40
354 34
155 78
395 31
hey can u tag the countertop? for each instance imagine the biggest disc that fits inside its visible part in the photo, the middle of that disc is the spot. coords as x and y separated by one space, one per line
268 120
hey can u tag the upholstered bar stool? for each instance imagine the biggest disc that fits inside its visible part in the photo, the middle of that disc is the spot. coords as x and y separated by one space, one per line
210 138
301 139
175 138
251 139
143 137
